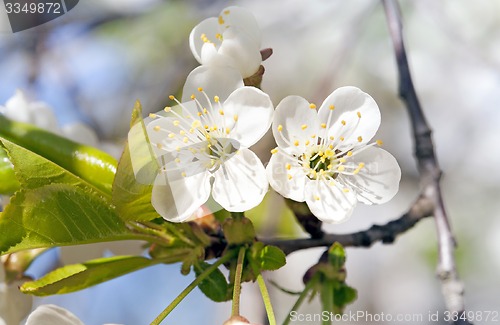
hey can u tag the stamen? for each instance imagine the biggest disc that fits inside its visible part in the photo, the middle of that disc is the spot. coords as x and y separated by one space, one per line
312 106
289 177
379 142
360 139
304 126
274 151
152 115
157 128
280 128
359 114
296 143
343 122
216 99
167 109
288 166
331 107
235 117
323 125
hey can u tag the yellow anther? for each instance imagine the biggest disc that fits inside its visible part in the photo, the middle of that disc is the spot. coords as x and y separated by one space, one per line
235 117
313 136
200 113
329 153
296 143
171 97
379 142
176 122
196 124
320 153
191 130
274 151
303 126
341 168
157 128
361 165
226 12
312 106
289 177
349 153
218 36
221 112
331 107
221 20
159 145
185 140
359 114
317 198
167 109
345 190
177 148
182 132
329 166
193 96
330 146
152 115
356 171
177 160
200 89
183 174
171 135
342 138
360 138
213 128
280 128
342 160
206 127
228 130
323 125
216 99
307 142
343 122
205 111
332 138
288 166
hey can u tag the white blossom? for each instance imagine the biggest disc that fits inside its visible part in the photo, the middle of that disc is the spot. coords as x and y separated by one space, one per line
232 39
323 157
202 148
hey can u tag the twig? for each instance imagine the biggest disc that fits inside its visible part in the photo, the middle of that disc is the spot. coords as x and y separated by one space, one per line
428 166
387 233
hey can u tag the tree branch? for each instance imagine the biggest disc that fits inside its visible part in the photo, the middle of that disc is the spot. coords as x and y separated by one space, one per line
387 233
428 166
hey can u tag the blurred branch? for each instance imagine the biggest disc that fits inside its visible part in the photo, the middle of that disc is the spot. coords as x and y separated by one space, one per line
386 234
428 166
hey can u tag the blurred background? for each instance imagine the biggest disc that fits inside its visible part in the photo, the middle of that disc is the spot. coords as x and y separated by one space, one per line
93 63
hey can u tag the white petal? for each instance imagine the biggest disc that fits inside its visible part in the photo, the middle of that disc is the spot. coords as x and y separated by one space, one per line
242 49
242 18
248 114
80 132
299 122
52 315
215 81
278 176
348 102
17 108
240 183
329 202
176 198
378 181
43 116
209 28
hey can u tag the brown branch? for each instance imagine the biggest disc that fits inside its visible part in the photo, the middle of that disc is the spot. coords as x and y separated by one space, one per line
428 166
386 234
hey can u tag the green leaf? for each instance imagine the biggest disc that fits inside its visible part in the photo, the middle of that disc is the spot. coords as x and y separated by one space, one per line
34 171
56 215
215 285
76 277
8 181
272 258
342 296
132 198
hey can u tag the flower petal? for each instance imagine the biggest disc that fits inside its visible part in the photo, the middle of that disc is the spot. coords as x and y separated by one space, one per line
240 183
242 18
176 198
298 124
355 117
208 28
378 181
215 81
242 50
248 114
290 183
51 315
328 202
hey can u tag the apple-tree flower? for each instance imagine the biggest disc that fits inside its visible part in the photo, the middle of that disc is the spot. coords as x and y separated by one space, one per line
202 149
232 39
324 158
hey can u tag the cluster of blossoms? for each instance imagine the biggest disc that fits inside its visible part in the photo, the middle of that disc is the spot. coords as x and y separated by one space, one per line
324 156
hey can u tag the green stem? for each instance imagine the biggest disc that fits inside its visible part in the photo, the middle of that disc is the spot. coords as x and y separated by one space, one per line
237 282
191 286
327 299
301 298
267 300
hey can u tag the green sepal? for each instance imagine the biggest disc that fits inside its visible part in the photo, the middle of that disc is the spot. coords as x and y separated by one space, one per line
238 231
215 286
